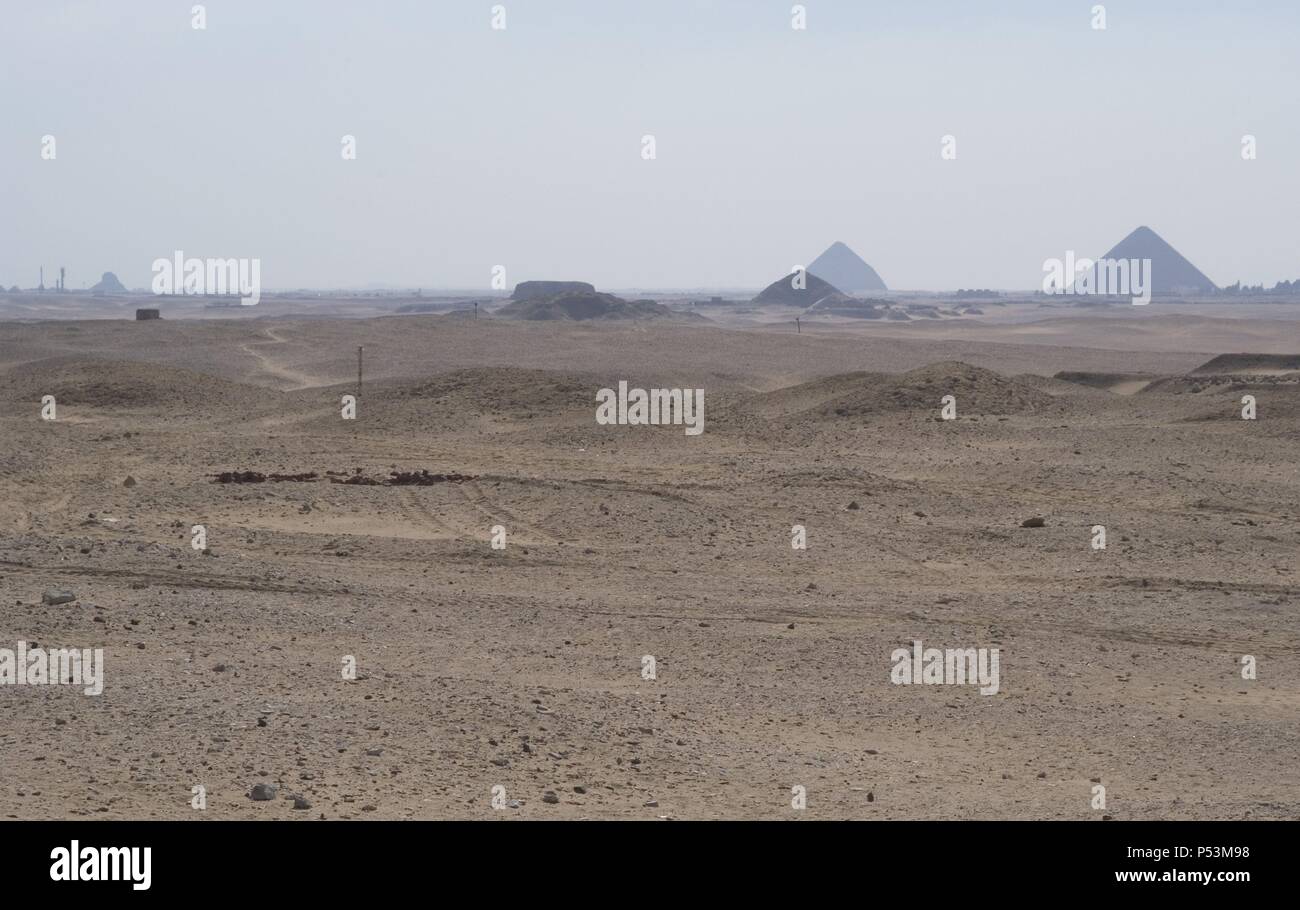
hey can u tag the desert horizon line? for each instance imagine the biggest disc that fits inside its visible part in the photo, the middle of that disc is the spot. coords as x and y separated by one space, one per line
838 265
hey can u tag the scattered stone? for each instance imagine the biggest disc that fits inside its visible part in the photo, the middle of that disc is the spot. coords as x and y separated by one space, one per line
300 803
1034 522
550 797
652 804
129 482
53 598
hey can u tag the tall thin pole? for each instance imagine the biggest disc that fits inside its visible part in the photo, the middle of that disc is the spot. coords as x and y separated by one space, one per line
359 349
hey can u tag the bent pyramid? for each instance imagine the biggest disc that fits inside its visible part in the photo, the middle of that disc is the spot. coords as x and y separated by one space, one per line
845 269
1171 273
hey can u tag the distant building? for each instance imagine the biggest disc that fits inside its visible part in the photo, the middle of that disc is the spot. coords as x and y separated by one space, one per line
142 314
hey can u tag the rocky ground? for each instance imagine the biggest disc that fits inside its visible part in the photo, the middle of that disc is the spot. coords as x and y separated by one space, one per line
522 668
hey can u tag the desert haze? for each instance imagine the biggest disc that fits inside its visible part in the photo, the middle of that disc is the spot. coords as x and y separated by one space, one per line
524 667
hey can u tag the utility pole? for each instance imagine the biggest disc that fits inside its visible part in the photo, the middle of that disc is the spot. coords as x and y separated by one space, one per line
359 349
797 330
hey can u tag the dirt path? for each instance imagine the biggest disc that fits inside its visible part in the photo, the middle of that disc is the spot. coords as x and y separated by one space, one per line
295 378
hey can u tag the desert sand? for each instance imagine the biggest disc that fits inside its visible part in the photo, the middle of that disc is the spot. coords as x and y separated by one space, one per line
521 668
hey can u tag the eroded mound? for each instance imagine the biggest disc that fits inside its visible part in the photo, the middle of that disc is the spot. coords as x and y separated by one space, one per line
535 290
1250 363
1193 384
975 389
127 385
851 307
499 391
583 305
489 398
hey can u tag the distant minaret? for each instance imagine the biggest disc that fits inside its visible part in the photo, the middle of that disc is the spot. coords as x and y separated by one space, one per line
42 287
61 271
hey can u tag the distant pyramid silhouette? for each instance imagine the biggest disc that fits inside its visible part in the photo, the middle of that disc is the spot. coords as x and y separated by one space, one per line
108 284
845 269
1171 273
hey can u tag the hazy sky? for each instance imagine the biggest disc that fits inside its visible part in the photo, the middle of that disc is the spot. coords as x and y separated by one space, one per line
522 147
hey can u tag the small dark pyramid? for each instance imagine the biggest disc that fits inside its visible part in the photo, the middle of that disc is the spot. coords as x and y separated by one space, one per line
108 284
1171 273
845 269
783 291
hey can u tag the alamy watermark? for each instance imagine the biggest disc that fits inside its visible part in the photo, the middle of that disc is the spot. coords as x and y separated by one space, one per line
635 407
75 863
947 667
206 277
1110 277
24 666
